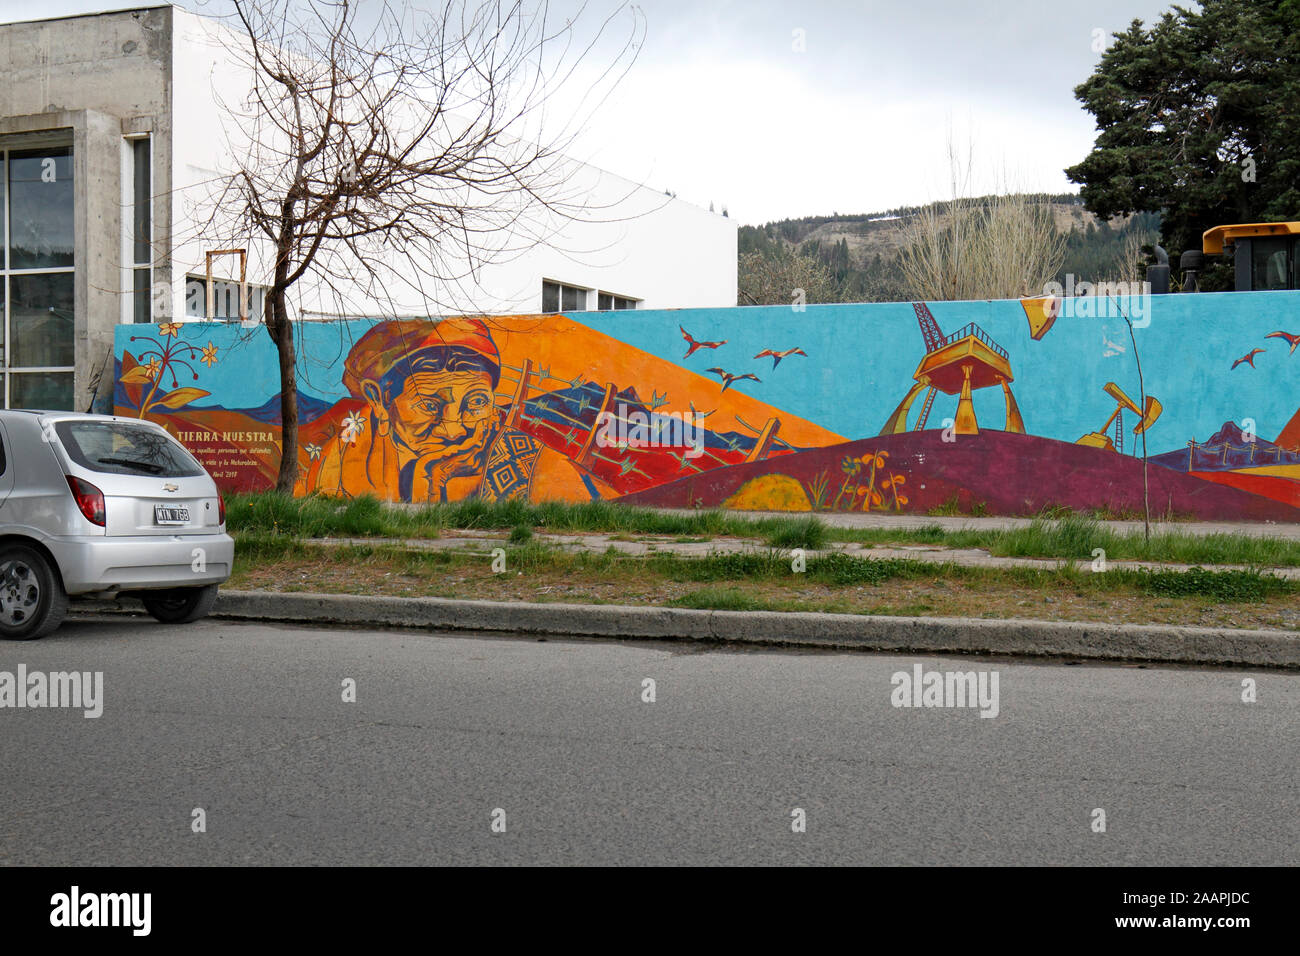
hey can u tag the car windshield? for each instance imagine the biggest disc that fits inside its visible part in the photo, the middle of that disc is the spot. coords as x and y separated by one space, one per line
120 448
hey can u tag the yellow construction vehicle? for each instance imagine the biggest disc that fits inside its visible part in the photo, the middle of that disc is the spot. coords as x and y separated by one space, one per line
1264 256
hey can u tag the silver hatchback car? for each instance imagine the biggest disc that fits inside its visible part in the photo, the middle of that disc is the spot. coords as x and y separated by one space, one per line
100 506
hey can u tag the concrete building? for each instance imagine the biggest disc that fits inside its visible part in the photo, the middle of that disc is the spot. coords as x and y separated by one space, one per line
109 142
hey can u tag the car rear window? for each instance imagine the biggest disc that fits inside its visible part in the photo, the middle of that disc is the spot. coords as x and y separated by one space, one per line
120 448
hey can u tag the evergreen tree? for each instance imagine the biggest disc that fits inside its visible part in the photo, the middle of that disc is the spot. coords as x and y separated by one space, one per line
1199 119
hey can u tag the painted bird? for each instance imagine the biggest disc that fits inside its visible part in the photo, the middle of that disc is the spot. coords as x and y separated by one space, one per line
698 345
1293 339
1248 357
777 356
728 378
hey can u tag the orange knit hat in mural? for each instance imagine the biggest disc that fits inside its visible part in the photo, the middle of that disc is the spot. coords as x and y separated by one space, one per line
390 351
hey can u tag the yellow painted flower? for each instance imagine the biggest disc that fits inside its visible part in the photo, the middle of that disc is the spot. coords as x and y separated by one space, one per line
169 328
151 370
209 357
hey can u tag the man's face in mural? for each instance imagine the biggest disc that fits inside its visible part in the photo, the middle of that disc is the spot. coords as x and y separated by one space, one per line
443 420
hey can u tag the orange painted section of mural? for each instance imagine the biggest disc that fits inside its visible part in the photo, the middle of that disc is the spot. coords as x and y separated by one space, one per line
494 408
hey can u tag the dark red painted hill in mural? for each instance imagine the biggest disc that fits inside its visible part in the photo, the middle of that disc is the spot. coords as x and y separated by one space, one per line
1000 472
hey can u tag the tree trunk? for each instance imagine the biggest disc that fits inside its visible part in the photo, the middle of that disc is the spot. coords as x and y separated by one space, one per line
281 331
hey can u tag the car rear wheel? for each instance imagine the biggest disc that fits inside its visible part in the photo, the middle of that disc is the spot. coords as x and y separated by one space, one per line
32 600
180 605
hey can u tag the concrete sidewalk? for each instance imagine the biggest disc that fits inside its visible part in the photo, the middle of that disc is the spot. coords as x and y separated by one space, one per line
899 522
642 545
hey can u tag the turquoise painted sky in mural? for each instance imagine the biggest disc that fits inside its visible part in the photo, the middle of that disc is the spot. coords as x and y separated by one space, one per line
861 358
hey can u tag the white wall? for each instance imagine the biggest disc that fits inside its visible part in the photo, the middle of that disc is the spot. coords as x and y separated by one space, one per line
651 247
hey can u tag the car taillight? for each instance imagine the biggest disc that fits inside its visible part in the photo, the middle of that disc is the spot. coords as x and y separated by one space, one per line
89 499
221 509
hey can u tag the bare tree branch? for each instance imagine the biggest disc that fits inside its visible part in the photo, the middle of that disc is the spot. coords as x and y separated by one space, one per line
393 158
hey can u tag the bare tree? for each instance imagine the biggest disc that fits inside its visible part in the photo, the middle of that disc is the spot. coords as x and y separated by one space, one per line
392 156
779 280
991 247
1131 260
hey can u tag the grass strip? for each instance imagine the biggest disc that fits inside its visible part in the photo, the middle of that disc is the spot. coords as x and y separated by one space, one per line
1063 536
769 565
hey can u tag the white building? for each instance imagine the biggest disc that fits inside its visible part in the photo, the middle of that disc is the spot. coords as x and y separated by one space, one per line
112 131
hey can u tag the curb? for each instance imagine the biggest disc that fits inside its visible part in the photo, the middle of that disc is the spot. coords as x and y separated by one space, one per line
1017 638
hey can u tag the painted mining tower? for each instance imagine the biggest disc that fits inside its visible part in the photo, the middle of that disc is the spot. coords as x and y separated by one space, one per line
956 364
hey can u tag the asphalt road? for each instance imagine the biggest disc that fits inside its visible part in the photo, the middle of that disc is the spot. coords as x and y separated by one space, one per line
248 723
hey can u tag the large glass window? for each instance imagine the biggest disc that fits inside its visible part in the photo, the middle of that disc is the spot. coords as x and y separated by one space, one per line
37 278
608 301
556 297
40 320
51 390
40 208
141 230
1270 264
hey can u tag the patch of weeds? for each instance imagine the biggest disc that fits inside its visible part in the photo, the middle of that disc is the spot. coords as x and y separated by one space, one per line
1054 512
840 569
1071 536
809 533
1225 587
949 508
727 566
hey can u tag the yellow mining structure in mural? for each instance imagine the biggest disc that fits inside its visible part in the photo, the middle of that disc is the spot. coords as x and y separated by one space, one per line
956 365
1147 416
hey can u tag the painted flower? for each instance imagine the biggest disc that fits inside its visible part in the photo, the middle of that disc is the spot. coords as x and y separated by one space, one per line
313 451
850 466
151 370
353 426
169 328
209 357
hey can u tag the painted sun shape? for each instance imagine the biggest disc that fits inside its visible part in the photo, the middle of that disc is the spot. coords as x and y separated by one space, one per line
209 357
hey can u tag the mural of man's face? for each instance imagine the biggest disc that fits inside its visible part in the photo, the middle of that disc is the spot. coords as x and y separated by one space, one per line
440 418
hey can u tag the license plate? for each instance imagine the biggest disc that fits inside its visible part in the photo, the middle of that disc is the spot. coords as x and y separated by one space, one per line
165 515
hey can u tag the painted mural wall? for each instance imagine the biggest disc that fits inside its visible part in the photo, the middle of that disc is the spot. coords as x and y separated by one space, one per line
992 407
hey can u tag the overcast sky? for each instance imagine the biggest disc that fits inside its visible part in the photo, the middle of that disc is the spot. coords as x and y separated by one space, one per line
722 106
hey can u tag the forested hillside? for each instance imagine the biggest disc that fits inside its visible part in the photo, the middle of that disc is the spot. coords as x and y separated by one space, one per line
853 258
